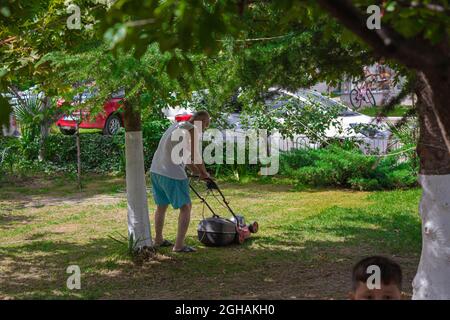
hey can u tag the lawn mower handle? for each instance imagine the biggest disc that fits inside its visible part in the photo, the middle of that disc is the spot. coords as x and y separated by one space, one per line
211 185
203 200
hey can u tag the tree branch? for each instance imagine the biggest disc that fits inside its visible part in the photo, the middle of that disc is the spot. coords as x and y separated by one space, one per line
415 52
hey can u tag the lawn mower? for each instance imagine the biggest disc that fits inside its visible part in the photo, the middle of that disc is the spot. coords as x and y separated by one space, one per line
218 231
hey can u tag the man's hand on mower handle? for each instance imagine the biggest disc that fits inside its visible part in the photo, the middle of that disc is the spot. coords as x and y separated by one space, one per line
211 184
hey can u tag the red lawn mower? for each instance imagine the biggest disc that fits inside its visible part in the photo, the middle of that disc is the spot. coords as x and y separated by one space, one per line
218 231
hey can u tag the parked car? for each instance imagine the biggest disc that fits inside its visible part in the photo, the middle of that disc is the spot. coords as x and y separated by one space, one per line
110 120
371 135
355 125
278 98
352 123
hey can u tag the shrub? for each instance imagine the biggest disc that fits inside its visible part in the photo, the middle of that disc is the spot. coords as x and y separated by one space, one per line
9 150
231 169
347 166
13 159
101 153
98 153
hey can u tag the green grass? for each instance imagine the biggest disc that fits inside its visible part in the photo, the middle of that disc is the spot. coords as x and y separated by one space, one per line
398 111
307 244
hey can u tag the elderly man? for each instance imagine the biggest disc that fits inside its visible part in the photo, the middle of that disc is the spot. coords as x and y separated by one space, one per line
169 180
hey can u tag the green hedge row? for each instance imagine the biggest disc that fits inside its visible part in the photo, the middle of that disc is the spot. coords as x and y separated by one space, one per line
99 153
348 167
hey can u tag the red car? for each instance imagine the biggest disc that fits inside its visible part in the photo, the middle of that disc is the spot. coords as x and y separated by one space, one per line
110 120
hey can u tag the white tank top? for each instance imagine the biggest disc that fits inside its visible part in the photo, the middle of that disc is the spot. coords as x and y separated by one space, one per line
162 161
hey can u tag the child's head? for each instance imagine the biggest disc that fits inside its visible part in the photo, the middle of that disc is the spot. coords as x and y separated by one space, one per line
390 276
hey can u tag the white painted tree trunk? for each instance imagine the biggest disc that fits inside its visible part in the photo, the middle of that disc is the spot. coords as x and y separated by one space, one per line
138 217
432 281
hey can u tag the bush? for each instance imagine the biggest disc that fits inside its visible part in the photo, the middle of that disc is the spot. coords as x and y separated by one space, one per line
347 167
99 153
13 158
231 169
9 150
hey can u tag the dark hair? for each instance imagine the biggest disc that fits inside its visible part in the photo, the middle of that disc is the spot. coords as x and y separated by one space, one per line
202 114
390 271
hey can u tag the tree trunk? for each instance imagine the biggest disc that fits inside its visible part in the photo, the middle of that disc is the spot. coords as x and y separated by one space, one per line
432 280
138 217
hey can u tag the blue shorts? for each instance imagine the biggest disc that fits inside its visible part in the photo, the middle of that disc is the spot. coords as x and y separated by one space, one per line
170 191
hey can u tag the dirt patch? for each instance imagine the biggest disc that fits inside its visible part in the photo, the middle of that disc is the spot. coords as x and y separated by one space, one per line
23 202
272 280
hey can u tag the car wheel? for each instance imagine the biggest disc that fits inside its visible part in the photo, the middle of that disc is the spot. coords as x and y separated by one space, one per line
67 132
112 125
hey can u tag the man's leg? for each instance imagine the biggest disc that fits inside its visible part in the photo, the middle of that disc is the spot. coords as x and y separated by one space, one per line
183 224
160 214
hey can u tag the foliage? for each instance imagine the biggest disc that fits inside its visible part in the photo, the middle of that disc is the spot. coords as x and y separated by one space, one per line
29 29
347 167
137 22
99 153
5 111
397 111
309 118
9 154
14 161
33 111
231 169
313 35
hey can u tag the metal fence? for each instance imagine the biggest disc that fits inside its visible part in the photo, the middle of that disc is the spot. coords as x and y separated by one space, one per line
367 145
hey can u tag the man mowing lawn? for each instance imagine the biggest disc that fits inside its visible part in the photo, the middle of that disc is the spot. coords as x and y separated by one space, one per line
170 183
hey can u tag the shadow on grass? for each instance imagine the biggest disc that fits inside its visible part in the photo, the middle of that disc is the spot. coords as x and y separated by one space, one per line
304 258
9 221
28 192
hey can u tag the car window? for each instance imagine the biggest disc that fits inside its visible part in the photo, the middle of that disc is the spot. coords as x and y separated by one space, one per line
119 94
327 102
276 101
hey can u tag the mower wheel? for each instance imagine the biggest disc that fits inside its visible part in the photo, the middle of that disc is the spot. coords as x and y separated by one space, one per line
253 227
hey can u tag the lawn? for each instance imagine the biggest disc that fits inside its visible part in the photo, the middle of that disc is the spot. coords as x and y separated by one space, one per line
398 111
307 244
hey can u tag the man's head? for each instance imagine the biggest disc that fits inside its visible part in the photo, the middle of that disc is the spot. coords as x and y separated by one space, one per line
202 116
390 277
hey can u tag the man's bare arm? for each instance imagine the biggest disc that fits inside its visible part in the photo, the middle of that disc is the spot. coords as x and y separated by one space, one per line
197 168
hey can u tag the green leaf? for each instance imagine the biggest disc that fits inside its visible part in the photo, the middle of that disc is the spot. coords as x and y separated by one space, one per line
390 7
